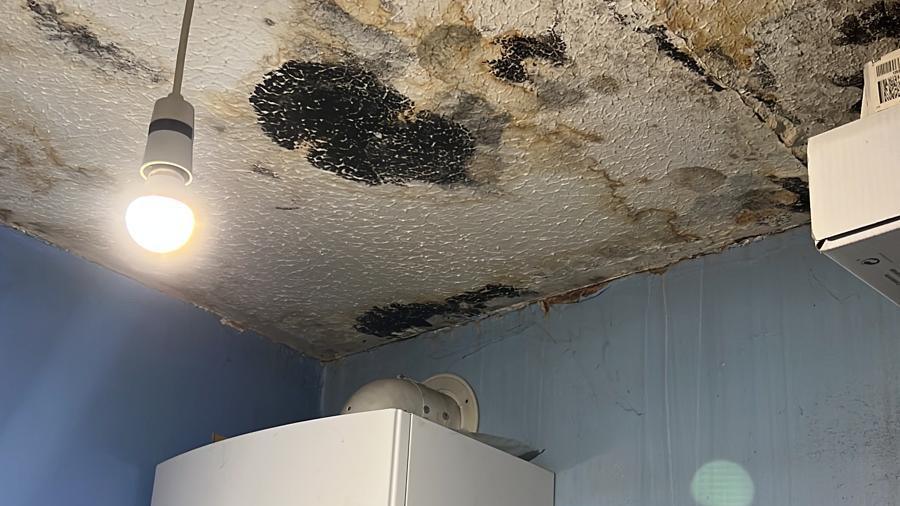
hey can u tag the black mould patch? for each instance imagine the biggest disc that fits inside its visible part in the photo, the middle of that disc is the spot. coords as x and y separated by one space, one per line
799 188
515 49
263 171
84 41
879 20
394 319
359 128
670 50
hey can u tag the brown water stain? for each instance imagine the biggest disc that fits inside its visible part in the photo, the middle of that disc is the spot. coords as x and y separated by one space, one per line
571 297
720 26
699 179
605 84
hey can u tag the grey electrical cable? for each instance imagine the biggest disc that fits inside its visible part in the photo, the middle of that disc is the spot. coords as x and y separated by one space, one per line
182 46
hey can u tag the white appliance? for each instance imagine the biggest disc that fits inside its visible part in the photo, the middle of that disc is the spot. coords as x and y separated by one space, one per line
854 184
386 458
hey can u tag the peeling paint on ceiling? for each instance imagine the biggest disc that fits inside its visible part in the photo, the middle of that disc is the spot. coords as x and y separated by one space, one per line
369 170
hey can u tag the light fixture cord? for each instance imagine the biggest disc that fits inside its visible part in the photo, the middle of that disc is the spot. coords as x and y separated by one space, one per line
182 46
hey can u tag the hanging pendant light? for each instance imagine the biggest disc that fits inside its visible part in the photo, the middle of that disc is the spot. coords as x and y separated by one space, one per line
159 220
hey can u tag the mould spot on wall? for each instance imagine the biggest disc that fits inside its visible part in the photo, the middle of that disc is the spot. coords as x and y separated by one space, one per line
878 21
81 39
699 179
759 199
722 28
554 94
323 30
768 206
856 80
660 225
393 320
799 188
269 21
516 49
359 128
484 121
29 158
761 79
263 171
444 51
605 84
669 49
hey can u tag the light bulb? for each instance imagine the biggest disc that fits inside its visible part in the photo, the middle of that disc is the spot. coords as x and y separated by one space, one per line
159 220
159 224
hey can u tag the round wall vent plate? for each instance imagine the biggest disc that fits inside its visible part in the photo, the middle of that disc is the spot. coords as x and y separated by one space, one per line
461 392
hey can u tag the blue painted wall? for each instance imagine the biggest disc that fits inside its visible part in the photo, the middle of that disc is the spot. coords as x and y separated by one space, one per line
102 378
769 356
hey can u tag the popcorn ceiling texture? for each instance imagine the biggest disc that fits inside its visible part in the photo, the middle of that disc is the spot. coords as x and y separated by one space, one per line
369 170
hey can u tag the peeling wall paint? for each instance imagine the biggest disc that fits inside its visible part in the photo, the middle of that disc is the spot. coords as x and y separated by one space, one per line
769 356
620 136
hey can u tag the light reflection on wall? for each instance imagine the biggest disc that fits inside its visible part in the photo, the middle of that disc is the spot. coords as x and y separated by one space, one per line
722 483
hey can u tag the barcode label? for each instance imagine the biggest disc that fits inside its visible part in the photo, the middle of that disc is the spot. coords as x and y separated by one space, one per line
888 89
888 66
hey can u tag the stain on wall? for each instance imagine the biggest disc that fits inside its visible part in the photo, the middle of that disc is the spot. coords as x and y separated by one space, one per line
670 50
799 188
721 29
772 205
517 49
82 40
483 120
352 124
879 20
445 51
391 320
699 179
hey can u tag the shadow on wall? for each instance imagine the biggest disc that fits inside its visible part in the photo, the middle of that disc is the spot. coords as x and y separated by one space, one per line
759 374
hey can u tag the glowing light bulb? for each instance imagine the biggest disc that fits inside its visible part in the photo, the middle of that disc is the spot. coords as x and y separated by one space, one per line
159 224
159 220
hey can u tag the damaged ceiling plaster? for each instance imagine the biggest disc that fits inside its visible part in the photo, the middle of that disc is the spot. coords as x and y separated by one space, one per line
369 170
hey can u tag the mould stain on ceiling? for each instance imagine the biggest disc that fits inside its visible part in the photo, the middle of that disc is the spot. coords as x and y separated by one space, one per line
353 125
369 170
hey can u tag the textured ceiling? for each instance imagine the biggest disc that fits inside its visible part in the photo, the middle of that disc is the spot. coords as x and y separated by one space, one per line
368 170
